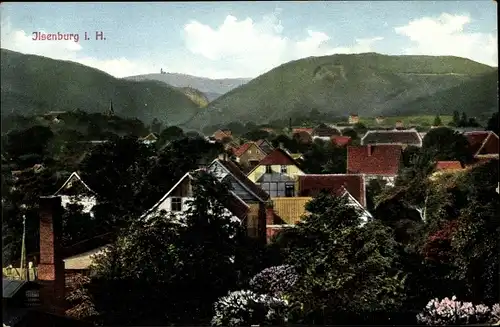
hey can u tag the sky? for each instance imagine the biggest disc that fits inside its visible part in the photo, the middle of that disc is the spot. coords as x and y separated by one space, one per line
246 39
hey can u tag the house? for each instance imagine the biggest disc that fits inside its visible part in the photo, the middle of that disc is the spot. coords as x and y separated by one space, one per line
149 139
341 141
443 167
75 190
303 129
350 185
265 145
222 134
41 303
302 137
399 124
483 144
403 138
244 188
177 201
276 174
249 154
375 161
353 119
379 119
324 132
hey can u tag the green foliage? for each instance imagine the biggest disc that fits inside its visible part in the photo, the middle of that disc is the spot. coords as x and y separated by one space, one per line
37 84
197 260
443 143
341 83
325 158
437 121
345 267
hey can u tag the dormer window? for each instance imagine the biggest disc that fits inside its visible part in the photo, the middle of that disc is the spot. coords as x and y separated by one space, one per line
268 170
176 204
284 169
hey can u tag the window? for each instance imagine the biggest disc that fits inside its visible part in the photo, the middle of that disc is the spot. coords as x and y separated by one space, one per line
176 204
268 170
284 169
289 190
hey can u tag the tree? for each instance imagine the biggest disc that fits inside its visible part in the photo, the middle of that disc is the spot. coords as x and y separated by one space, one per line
344 267
437 121
350 132
463 120
493 124
256 135
156 126
196 260
443 143
456 118
170 133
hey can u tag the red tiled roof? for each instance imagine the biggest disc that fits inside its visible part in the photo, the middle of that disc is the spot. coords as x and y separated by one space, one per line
341 140
312 185
301 129
242 149
482 142
383 159
277 157
476 140
448 165
238 174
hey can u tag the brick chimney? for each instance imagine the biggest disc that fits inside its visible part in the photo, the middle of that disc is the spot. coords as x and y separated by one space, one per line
269 216
51 267
369 149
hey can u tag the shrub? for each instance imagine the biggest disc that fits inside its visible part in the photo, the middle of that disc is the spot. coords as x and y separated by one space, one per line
452 312
274 280
248 308
495 313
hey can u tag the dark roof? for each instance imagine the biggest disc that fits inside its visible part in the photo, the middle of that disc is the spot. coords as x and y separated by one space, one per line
243 179
374 159
312 185
278 157
409 137
265 145
11 287
323 130
88 244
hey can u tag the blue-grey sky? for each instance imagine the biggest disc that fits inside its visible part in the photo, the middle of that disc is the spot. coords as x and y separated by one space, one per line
246 39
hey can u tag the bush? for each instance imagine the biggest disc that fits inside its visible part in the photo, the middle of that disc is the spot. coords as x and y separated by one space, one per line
495 313
452 312
248 308
274 280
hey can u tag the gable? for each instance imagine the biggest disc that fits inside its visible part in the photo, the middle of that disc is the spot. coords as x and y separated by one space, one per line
74 185
278 157
490 145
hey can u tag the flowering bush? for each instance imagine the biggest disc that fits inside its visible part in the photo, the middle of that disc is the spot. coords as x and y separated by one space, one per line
452 312
274 280
495 313
249 308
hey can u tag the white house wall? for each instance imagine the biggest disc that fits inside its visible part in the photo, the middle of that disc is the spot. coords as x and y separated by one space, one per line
88 202
167 207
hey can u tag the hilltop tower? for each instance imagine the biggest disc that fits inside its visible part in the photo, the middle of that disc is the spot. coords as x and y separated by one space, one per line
111 111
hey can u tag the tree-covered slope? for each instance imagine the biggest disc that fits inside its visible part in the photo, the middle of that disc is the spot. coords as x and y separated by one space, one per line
367 84
34 84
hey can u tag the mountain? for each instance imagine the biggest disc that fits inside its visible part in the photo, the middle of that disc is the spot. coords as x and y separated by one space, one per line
34 84
196 96
368 84
212 88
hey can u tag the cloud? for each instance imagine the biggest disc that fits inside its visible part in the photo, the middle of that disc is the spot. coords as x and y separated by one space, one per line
446 35
249 48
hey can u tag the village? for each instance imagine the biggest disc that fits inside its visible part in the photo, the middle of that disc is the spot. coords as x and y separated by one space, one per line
269 192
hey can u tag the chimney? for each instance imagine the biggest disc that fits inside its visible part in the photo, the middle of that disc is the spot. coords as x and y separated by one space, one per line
51 266
269 215
369 149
